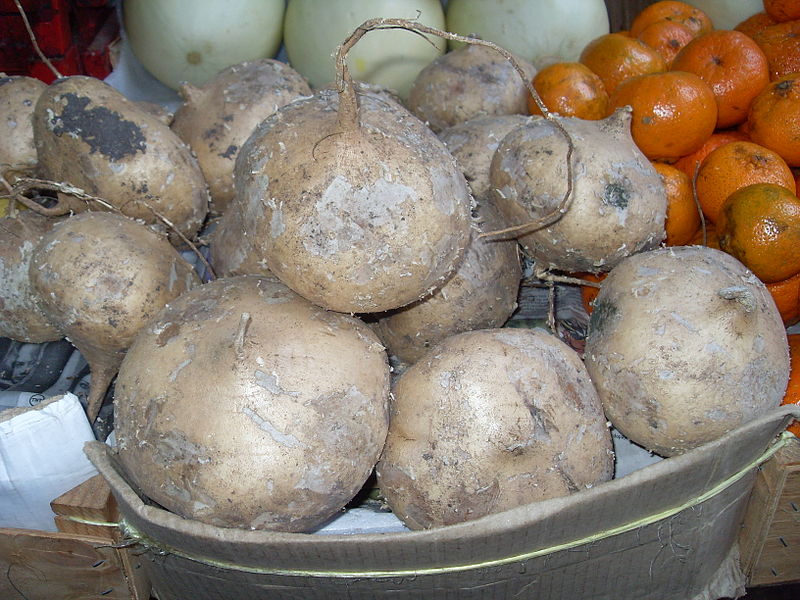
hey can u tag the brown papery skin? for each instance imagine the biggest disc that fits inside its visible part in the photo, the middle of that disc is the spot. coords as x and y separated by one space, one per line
243 405
101 277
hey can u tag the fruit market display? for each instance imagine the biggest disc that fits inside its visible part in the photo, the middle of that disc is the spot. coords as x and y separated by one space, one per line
361 239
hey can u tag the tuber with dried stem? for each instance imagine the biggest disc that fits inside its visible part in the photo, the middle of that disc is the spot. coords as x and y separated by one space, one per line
612 205
347 198
215 119
685 344
242 404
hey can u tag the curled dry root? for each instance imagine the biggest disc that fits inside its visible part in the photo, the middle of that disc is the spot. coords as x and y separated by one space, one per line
25 190
348 106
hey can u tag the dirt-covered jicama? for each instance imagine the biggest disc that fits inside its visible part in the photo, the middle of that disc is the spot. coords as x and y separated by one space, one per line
88 135
21 317
18 96
469 83
579 194
349 199
684 345
482 293
243 405
489 420
473 144
99 278
215 119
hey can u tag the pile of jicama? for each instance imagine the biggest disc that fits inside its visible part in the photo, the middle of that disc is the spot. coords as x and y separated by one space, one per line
366 253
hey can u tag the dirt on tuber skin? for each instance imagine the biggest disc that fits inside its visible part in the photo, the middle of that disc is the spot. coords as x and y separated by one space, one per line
100 277
90 136
21 317
243 405
350 200
18 96
216 118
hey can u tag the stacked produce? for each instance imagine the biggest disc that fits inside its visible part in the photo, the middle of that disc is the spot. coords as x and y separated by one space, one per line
356 232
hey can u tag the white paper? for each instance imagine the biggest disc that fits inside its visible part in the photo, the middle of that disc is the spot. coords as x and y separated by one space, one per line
41 457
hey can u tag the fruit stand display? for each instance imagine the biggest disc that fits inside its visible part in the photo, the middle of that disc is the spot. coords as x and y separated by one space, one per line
367 300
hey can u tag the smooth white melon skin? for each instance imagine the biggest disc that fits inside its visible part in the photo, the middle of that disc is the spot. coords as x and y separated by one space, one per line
676 363
390 58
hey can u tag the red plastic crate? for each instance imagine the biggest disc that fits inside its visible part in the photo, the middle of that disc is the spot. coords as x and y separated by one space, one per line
75 35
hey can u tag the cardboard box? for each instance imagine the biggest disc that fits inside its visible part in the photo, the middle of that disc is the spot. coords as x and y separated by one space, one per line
665 532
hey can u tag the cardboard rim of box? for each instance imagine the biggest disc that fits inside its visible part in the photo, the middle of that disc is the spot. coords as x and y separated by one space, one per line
689 506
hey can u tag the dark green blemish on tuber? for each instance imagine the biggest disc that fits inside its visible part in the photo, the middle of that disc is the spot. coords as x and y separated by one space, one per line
616 195
603 314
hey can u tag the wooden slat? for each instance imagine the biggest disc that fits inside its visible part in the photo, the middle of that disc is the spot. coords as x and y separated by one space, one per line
770 540
40 565
92 500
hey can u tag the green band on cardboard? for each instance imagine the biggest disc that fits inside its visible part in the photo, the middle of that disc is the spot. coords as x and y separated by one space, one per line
133 537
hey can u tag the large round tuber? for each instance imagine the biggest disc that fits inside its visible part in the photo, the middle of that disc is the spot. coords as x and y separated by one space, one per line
685 344
243 405
218 117
89 135
610 205
471 82
100 277
354 204
489 420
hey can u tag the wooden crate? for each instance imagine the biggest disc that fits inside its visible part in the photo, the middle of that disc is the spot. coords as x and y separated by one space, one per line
770 538
78 562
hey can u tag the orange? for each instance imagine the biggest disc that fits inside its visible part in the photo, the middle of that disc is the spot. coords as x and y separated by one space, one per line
666 10
733 65
673 112
760 225
782 10
792 395
616 57
683 215
710 239
735 165
667 38
774 118
570 89
589 292
786 294
689 163
755 23
781 45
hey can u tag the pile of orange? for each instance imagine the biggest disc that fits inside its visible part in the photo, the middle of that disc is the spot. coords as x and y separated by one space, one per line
718 113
